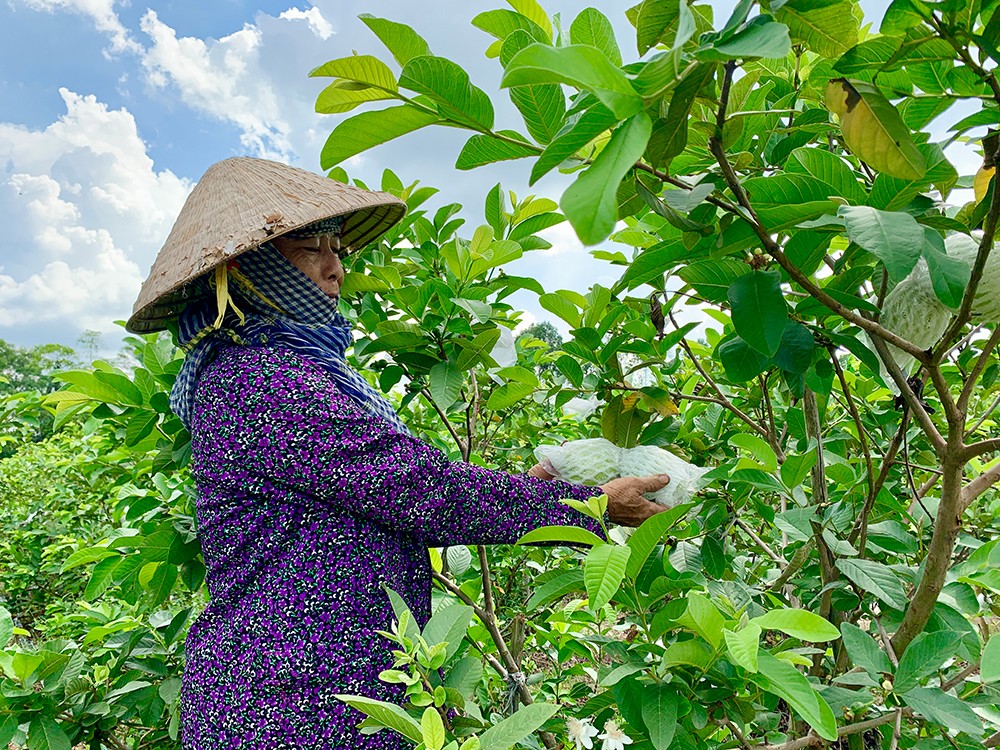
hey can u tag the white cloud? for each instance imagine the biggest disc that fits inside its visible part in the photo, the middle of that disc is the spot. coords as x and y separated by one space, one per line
101 12
85 212
255 78
320 26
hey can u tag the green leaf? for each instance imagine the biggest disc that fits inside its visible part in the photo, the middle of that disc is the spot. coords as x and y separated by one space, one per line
100 577
403 42
448 84
369 129
781 201
464 675
480 150
782 679
590 124
6 627
448 625
364 69
621 422
645 538
759 311
798 623
659 713
743 646
756 447
556 589
949 275
713 278
509 394
84 556
741 361
535 13
923 657
828 29
873 129
577 65
593 28
445 383
761 37
474 351
387 714
877 579
653 20
46 734
669 134
989 665
561 534
432 729
864 651
516 728
893 237
558 304
702 617
503 23
796 351
946 710
343 96
402 612
603 572
829 168
591 202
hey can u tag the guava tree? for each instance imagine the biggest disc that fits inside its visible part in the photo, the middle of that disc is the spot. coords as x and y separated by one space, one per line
758 167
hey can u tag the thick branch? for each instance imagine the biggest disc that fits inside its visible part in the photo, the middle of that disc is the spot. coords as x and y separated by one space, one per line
978 486
813 740
919 412
939 553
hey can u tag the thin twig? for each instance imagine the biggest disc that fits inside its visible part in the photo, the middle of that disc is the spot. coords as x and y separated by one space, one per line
782 563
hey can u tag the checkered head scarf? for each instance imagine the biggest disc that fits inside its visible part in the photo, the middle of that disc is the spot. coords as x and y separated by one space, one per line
261 299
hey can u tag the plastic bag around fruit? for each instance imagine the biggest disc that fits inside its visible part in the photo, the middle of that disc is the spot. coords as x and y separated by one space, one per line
593 461
646 460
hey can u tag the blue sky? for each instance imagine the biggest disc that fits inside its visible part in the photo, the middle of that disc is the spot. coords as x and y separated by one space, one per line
110 111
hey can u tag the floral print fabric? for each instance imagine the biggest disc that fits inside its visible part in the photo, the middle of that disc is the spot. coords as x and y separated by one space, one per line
307 508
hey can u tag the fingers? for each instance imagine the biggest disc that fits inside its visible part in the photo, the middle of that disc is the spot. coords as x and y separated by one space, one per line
540 472
651 484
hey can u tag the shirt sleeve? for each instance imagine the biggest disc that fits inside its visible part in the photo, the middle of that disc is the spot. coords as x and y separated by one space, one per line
286 419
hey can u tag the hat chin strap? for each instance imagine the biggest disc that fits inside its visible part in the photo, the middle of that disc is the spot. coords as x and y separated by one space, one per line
222 297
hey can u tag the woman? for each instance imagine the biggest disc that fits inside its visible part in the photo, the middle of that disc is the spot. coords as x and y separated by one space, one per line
313 497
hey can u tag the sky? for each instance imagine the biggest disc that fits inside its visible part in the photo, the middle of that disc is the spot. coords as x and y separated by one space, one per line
110 111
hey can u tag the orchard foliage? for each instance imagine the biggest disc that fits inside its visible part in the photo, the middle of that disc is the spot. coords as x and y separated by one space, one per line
837 582
784 169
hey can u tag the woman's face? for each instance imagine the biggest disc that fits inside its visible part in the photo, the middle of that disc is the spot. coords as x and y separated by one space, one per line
317 257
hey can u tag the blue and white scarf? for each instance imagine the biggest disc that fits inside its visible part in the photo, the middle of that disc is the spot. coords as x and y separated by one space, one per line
282 307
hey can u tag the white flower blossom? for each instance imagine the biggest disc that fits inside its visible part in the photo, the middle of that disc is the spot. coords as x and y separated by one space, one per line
614 738
581 733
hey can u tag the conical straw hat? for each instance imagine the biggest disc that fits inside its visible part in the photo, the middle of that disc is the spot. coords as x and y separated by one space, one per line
239 204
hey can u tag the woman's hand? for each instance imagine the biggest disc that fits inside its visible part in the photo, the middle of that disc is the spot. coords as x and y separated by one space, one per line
626 504
540 472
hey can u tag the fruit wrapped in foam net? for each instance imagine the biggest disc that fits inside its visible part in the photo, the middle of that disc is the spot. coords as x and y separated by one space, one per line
593 461
596 461
912 309
646 460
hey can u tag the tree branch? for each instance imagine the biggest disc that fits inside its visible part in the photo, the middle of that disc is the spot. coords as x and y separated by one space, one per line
978 486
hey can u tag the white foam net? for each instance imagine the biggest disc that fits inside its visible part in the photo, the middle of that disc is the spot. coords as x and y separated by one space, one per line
596 461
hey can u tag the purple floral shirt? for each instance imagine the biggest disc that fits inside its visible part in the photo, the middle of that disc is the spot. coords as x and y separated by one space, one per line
307 508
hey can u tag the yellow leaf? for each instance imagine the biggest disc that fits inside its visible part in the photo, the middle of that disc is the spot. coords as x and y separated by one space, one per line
982 181
873 129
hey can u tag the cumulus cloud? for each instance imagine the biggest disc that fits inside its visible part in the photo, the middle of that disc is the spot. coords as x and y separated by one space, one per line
101 12
85 212
254 78
314 17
